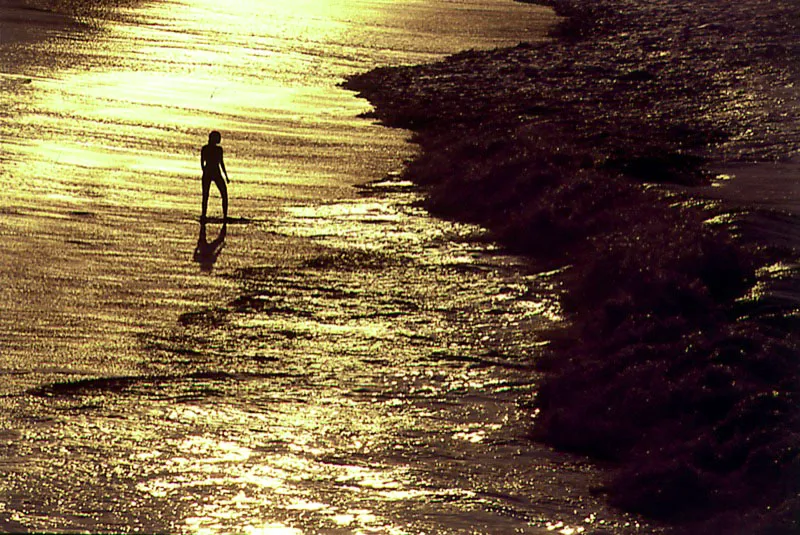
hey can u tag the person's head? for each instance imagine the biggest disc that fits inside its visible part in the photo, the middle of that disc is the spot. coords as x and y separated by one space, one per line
214 137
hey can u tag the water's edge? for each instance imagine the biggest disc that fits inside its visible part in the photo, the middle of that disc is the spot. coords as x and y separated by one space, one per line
365 385
670 326
682 350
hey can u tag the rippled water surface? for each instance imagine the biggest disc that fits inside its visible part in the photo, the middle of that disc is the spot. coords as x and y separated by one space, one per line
335 361
101 132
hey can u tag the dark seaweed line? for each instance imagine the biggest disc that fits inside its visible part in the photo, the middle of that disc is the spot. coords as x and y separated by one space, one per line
667 368
124 383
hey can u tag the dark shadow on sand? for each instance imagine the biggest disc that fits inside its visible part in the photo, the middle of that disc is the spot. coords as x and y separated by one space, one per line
206 252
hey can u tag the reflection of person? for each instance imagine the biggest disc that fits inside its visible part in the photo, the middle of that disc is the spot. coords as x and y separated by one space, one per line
206 253
211 162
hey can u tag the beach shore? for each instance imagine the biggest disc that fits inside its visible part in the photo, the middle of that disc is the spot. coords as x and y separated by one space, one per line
582 154
674 365
135 371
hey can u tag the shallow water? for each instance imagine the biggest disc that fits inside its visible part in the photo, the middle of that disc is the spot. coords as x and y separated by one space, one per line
337 362
364 390
101 132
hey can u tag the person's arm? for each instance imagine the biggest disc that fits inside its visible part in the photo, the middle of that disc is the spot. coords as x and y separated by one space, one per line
203 158
222 165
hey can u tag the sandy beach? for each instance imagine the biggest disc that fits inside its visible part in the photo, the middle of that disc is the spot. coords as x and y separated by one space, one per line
596 334
335 361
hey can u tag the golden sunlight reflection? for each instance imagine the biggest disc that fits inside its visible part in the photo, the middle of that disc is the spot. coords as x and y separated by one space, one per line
262 72
101 134
350 365
563 529
277 466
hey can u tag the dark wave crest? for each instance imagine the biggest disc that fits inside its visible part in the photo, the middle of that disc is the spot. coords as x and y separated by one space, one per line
677 364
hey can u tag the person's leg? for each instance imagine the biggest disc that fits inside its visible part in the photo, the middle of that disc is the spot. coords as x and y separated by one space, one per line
206 187
223 192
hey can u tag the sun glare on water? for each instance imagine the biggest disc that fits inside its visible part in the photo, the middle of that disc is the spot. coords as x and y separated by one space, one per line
341 406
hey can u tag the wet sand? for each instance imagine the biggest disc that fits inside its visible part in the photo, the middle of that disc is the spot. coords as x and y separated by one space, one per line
100 211
266 403
348 365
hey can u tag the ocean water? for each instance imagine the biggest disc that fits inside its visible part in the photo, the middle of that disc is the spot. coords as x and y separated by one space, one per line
335 361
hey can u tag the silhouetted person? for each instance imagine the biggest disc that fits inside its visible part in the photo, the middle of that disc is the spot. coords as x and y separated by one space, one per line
213 166
206 253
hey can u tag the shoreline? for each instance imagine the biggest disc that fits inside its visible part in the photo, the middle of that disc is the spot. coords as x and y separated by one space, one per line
143 395
674 367
682 169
